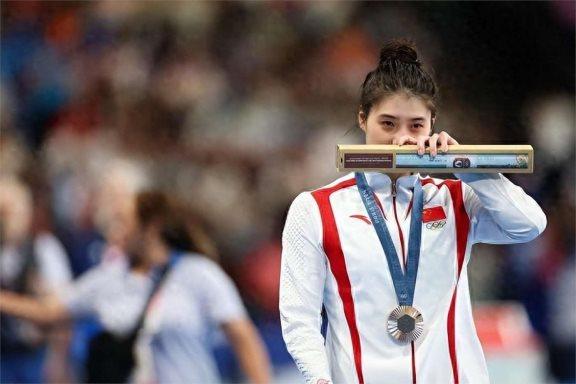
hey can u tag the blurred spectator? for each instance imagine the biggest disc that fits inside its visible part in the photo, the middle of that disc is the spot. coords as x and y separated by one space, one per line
31 263
153 306
117 184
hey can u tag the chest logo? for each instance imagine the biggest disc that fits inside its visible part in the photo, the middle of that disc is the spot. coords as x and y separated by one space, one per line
363 218
435 225
433 214
434 217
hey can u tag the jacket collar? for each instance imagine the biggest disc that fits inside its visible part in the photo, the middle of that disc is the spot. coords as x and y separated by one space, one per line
381 181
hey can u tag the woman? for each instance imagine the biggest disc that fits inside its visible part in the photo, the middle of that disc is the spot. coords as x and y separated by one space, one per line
32 262
402 314
194 297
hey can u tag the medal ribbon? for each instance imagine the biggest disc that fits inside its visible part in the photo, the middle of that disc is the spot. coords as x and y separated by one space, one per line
404 284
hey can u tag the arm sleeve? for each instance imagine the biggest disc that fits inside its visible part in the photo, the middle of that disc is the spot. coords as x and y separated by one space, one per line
80 298
302 277
220 296
500 212
52 262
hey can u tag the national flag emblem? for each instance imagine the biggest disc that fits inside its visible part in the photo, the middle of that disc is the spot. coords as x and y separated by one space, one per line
433 214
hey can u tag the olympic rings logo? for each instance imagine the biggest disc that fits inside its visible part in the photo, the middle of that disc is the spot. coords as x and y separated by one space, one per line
436 224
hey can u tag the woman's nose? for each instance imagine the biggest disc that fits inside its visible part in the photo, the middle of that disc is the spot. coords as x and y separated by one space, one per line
400 133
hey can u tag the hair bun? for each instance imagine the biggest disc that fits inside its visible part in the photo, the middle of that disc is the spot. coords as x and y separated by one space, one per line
401 50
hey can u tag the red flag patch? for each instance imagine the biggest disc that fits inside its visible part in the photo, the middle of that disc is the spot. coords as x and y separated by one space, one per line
433 214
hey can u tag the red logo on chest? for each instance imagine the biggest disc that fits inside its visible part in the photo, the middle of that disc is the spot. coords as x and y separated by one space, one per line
361 217
433 214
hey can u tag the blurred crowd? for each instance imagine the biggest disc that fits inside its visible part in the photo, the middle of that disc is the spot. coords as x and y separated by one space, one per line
236 107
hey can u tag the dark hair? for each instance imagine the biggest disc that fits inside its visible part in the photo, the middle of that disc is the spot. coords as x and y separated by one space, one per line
155 207
398 70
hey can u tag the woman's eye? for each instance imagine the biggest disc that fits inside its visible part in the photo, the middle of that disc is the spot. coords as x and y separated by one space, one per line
388 124
418 126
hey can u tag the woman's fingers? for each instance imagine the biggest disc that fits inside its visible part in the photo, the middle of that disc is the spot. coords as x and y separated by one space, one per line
432 143
406 139
445 140
452 141
438 141
421 144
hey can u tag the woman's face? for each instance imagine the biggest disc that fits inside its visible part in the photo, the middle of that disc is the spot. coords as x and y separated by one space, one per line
396 116
136 239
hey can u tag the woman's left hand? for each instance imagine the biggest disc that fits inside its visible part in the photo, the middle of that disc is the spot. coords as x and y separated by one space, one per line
442 138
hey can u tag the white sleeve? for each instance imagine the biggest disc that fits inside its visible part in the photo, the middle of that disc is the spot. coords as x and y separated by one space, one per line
53 263
220 296
302 277
80 298
500 212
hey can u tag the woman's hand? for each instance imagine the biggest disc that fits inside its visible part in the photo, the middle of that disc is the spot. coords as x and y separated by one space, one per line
442 138
405 139
249 349
47 310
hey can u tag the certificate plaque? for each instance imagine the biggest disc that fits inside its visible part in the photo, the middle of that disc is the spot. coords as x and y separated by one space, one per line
458 159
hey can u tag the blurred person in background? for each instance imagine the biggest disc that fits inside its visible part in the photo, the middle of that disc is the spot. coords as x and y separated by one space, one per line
332 259
34 263
541 274
117 183
195 298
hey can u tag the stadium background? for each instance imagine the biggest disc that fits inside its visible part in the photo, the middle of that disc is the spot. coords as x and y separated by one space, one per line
237 106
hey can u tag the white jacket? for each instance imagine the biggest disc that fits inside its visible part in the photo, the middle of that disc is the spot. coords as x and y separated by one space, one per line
332 257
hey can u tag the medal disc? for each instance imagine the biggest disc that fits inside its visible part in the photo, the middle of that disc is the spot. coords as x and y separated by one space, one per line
405 324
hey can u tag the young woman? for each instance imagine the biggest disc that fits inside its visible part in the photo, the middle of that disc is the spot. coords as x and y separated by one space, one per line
32 262
386 255
194 298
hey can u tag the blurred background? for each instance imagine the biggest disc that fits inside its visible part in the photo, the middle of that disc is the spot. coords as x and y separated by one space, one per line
236 107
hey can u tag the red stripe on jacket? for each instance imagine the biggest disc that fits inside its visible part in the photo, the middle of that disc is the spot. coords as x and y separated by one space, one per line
462 229
333 250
